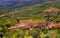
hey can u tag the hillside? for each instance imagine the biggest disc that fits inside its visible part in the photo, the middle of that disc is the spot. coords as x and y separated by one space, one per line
33 12
10 5
35 20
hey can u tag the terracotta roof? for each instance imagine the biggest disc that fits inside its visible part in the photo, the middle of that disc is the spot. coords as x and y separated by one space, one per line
38 24
54 25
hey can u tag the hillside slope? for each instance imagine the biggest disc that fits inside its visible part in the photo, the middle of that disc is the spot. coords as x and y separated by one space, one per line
10 5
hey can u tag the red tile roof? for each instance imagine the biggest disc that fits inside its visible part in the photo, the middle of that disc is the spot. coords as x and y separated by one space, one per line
38 24
54 25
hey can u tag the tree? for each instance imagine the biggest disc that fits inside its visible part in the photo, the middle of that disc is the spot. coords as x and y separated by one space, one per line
51 12
3 31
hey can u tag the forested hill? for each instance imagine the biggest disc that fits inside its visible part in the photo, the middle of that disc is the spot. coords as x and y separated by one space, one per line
10 5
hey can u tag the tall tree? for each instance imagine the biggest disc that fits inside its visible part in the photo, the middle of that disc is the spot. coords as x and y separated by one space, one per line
51 12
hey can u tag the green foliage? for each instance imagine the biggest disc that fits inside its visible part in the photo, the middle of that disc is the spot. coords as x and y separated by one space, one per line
29 12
